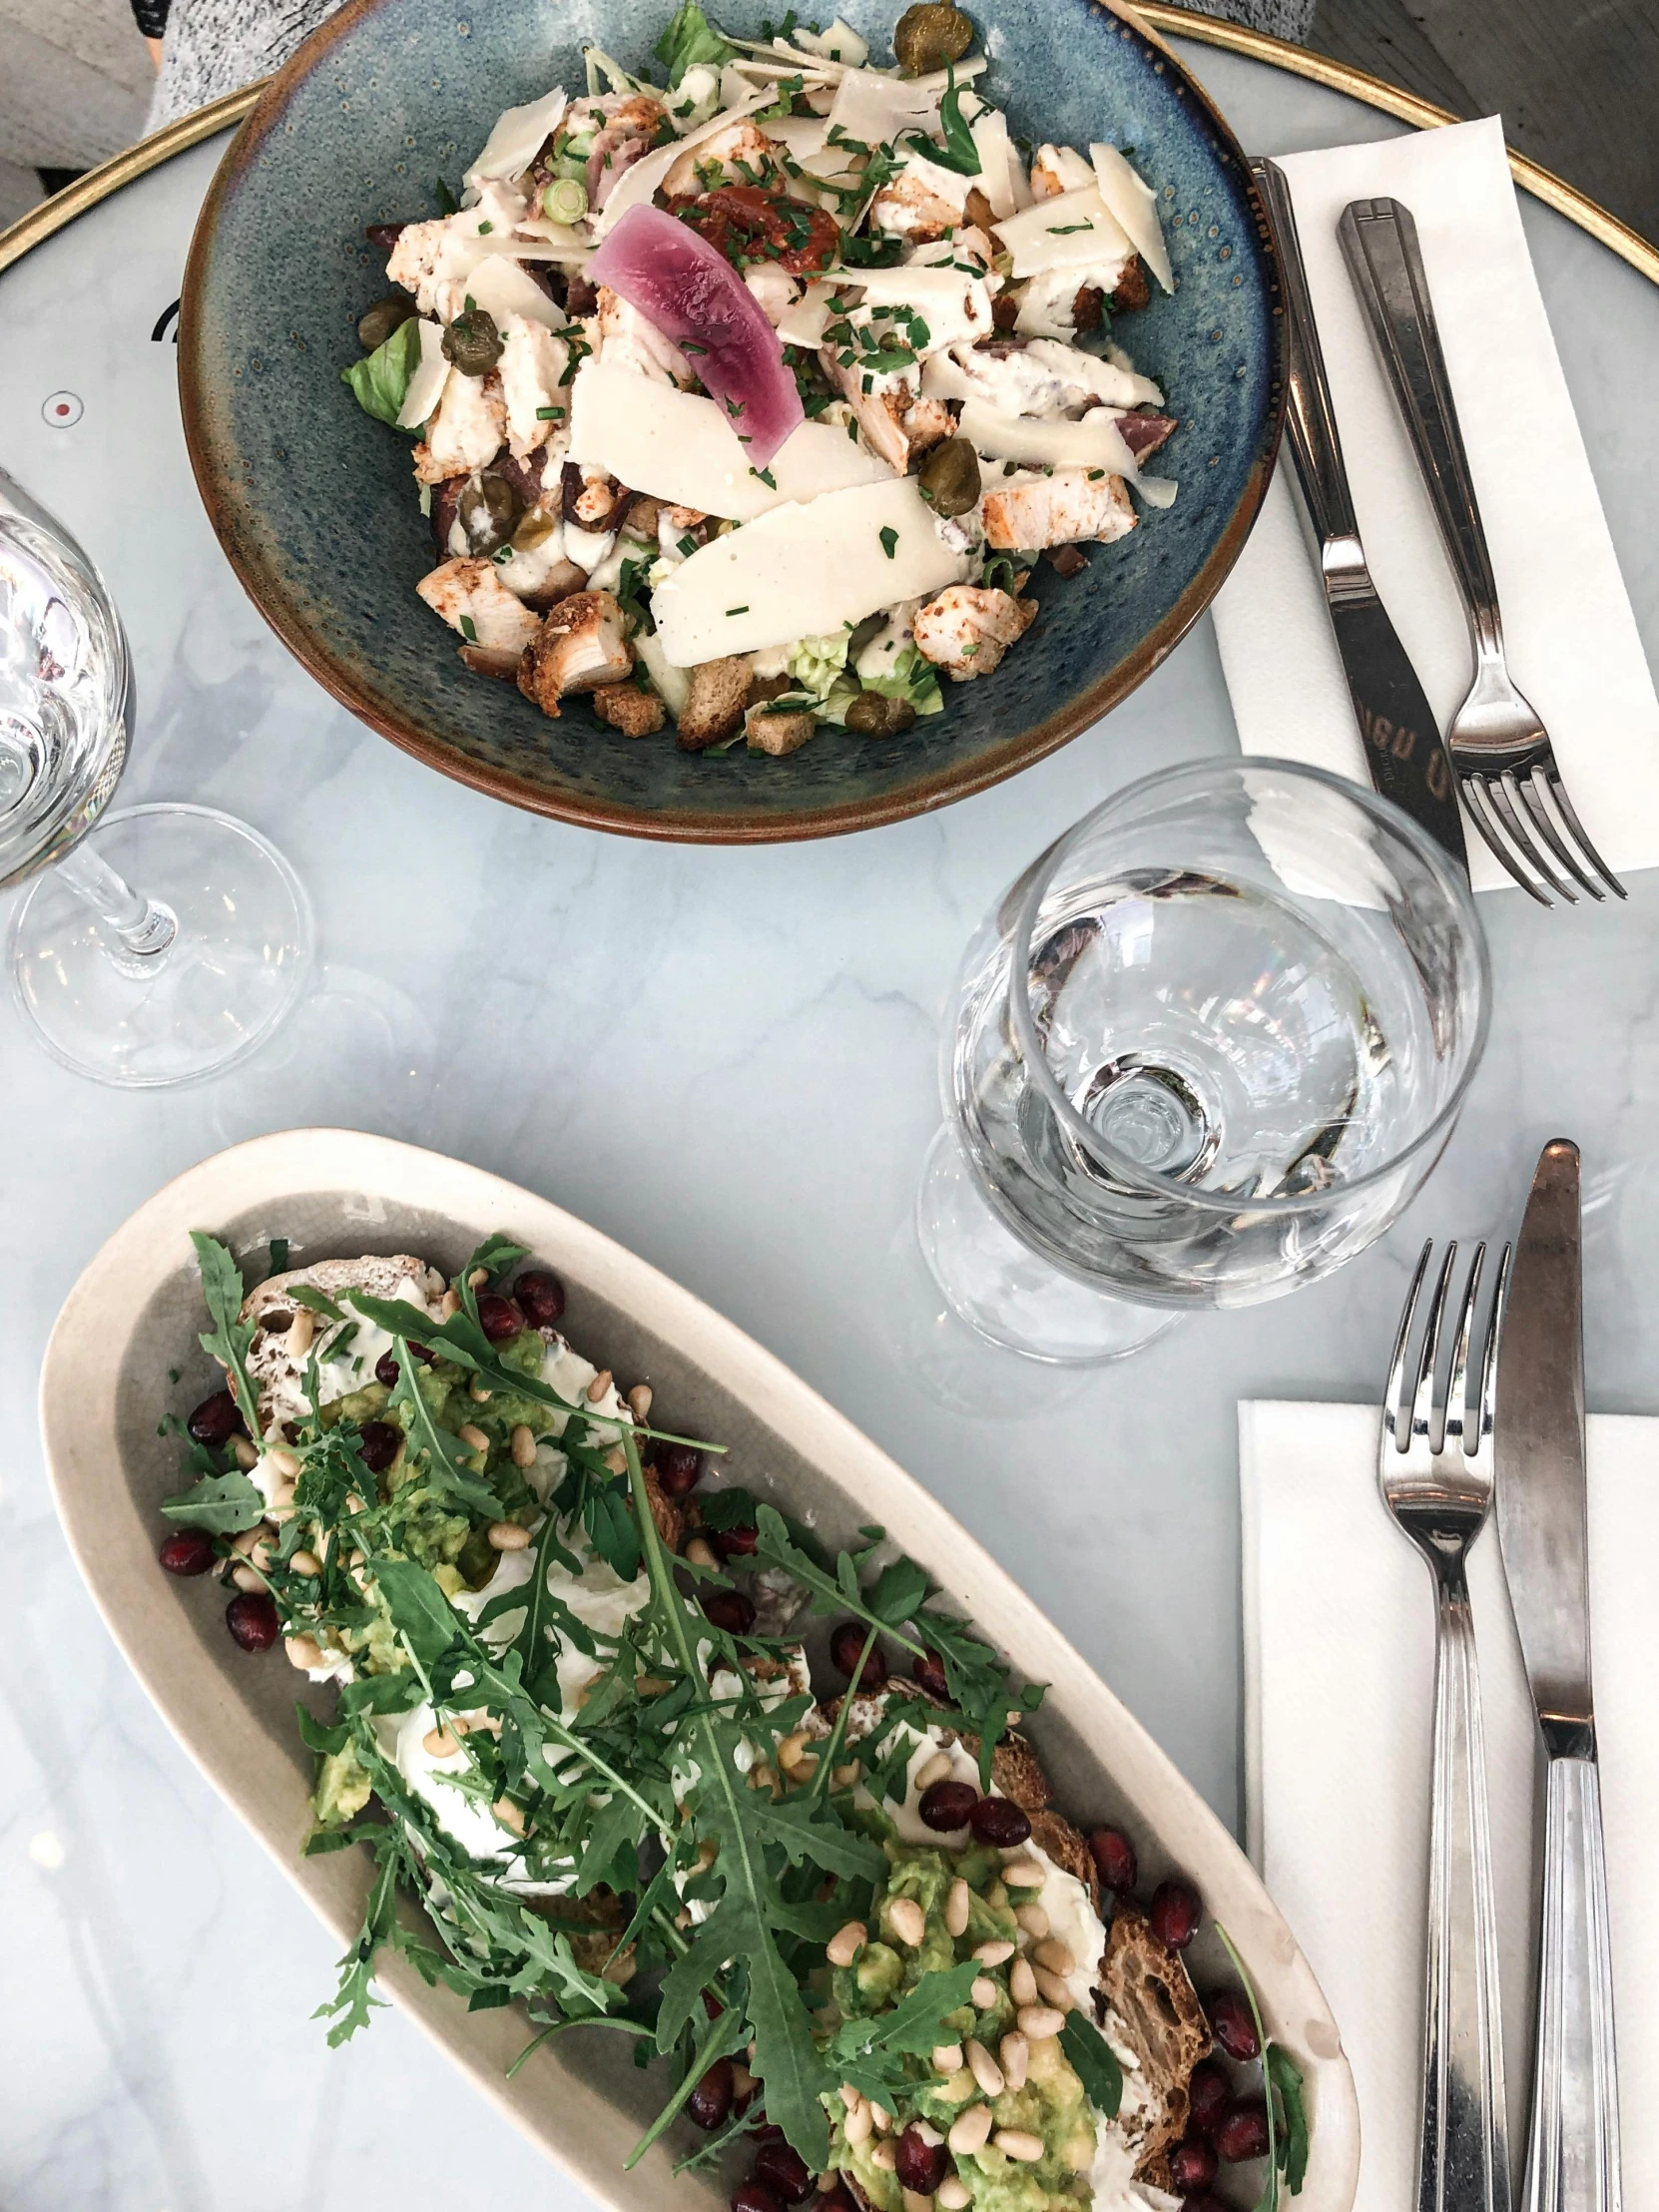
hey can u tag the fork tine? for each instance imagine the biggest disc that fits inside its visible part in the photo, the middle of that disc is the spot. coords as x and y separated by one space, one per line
1458 1389
1424 1403
1558 791
1394 1390
1488 1365
1480 813
1529 790
1497 787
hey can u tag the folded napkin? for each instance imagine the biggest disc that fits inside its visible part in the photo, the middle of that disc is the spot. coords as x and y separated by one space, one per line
1573 639
1338 1618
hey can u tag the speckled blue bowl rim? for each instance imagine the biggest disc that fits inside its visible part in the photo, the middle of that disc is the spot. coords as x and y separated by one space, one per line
952 781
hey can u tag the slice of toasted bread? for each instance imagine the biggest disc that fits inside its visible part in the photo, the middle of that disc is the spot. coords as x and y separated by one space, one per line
277 1374
1146 1985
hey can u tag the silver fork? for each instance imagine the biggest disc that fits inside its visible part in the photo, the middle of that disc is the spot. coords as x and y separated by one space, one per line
1437 1481
1504 762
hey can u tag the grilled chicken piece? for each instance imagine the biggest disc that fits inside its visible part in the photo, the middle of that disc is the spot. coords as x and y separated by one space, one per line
923 201
467 430
896 422
625 706
628 133
628 340
579 646
470 596
718 692
1030 510
742 143
967 629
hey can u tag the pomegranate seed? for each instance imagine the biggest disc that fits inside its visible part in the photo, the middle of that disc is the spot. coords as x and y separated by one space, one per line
1208 2094
729 1609
540 1298
190 1551
499 1318
1203 2201
710 2104
1114 1858
928 1670
837 2199
1233 2026
386 1371
733 1543
945 1806
922 2165
1000 1821
755 2196
781 2169
216 1420
1192 2166
1243 2133
251 1617
765 2132
678 1470
844 1646
1175 1913
378 1445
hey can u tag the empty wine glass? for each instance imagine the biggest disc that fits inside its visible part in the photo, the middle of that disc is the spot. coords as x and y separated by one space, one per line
1206 1048
135 988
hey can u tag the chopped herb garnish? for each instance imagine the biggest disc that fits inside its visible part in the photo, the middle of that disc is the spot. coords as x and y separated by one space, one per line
469 630
737 611
766 476
889 540
548 414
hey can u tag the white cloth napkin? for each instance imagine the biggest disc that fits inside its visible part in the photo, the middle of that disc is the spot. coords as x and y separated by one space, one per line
1573 644
1339 1619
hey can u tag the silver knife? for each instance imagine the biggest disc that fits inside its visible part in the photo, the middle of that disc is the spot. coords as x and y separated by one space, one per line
1572 2157
1406 758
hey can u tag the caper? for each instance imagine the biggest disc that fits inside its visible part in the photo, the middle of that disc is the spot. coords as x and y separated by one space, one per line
472 342
927 37
489 511
874 714
536 528
376 324
949 477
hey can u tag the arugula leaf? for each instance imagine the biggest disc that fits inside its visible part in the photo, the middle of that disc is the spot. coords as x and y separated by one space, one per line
446 1456
229 1339
315 1736
380 381
900 1590
420 1612
690 39
795 1823
1285 2078
870 2052
222 1505
731 1509
1094 2063
279 1255
958 151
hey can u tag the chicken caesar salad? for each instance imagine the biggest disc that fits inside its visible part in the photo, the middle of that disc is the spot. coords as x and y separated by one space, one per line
748 400
574 1714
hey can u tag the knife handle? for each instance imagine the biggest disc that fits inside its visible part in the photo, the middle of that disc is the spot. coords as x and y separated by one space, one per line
1572 2159
1311 421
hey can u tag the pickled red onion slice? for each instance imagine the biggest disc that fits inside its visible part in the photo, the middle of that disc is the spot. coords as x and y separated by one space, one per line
696 297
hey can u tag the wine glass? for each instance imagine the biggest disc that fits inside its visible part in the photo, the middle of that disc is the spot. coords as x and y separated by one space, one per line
135 988
1206 1048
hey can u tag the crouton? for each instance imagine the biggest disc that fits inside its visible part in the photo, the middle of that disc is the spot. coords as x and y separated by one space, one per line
471 598
1031 511
715 700
967 629
777 733
1132 289
578 647
625 706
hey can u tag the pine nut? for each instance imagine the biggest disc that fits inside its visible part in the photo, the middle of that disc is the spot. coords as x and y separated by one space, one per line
477 1392
650 1685
302 1332
306 1562
762 1775
827 2184
523 1446
508 1814
936 1769
1021 1874
953 2194
984 2068
906 1920
283 1465
472 1436
858 2127
947 2058
1054 1956
259 1533
970 2130
958 1903
1013 2142
638 1401
912 2201
984 1992
930 2135
792 1748
599 1386
1053 1992
440 1743
699 1554
617 1460
506 1535
995 1954
845 1946
353 1504
805 1767
843 1778
477 1279
1023 1982
303 1651
883 2118
743 2081
244 1454
1033 1919
450 1305
245 1579
885 2155
1038 2023
849 2096
1015 2054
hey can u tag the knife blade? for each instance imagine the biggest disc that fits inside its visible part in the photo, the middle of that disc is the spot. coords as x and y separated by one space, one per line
1403 750
1538 1443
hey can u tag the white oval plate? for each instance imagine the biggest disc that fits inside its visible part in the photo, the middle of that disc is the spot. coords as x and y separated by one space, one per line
135 1314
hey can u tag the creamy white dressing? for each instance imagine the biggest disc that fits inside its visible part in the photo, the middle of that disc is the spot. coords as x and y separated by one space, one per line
1111 2177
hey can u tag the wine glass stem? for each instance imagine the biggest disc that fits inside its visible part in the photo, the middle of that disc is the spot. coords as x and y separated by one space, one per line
143 930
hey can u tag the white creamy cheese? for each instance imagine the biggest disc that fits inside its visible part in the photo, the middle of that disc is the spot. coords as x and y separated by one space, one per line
805 571
1072 1921
876 110
1094 442
955 307
1075 229
997 160
680 446
1134 204
1111 2177
517 139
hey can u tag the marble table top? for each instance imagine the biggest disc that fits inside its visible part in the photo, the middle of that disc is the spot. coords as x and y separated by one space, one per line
726 1060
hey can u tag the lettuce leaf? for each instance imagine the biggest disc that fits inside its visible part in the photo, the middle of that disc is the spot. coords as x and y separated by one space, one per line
380 381
690 39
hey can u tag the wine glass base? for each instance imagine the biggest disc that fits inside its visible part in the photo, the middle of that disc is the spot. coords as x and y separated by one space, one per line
232 973
1004 1289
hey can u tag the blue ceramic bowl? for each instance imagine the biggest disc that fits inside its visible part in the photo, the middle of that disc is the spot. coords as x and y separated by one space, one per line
314 504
